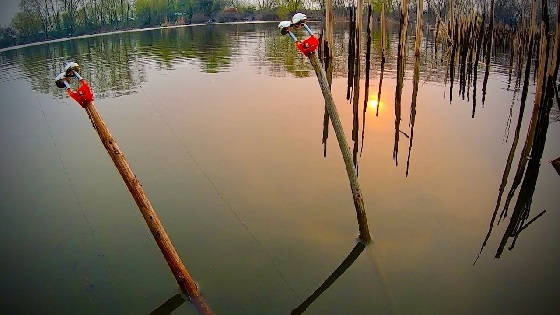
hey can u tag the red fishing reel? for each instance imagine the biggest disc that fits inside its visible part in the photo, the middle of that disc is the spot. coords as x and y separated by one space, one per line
82 95
308 46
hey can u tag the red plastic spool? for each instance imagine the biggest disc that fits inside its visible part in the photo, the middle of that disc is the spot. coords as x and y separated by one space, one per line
82 95
308 46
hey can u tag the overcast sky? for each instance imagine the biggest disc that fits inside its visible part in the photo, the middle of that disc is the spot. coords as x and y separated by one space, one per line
8 8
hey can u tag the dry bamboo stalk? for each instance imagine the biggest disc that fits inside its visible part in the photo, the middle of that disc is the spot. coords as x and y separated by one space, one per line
351 51
357 73
369 28
328 40
343 144
383 39
383 35
511 153
523 204
400 75
184 279
490 43
328 61
419 11
541 85
479 46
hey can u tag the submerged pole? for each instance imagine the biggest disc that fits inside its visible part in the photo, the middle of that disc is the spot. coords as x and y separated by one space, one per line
85 98
308 47
343 144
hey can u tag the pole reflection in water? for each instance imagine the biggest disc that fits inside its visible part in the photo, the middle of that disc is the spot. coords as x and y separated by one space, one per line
170 305
377 102
416 77
489 45
346 263
535 143
400 76
477 59
369 27
383 43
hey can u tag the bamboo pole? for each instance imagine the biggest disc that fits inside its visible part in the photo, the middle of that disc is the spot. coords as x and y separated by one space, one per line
479 45
383 39
383 35
417 43
369 29
343 144
517 131
357 73
184 279
490 44
328 61
541 87
400 75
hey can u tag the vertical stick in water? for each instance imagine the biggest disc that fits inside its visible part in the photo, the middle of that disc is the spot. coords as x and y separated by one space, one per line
517 131
419 11
357 73
472 48
540 90
522 206
455 39
479 46
383 33
489 44
369 27
351 51
383 43
327 61
400 75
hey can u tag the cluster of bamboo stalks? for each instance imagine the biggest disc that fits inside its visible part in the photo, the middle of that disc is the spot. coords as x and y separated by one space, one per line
540 45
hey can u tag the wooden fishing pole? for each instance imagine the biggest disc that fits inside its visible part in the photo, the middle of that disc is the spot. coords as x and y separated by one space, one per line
84 97
308 47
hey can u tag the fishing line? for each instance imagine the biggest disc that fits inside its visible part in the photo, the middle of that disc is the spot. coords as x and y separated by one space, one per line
65 169
221 197
371 255
96 248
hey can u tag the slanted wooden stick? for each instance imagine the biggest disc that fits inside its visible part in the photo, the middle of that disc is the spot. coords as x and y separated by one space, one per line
346 155
85 98
184 279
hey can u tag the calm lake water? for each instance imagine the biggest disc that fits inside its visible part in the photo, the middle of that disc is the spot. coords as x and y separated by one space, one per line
223 125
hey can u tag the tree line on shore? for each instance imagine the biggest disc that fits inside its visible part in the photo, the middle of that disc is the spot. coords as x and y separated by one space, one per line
39 20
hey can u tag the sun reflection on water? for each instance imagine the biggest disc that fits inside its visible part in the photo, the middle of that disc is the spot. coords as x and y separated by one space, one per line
373 104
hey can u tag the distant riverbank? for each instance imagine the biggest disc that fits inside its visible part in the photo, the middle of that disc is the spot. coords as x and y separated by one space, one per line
124 31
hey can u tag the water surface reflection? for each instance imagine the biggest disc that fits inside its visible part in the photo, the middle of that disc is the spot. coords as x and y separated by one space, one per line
224 117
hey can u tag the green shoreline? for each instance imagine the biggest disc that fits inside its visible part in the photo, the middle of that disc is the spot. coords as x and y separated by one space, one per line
125 31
